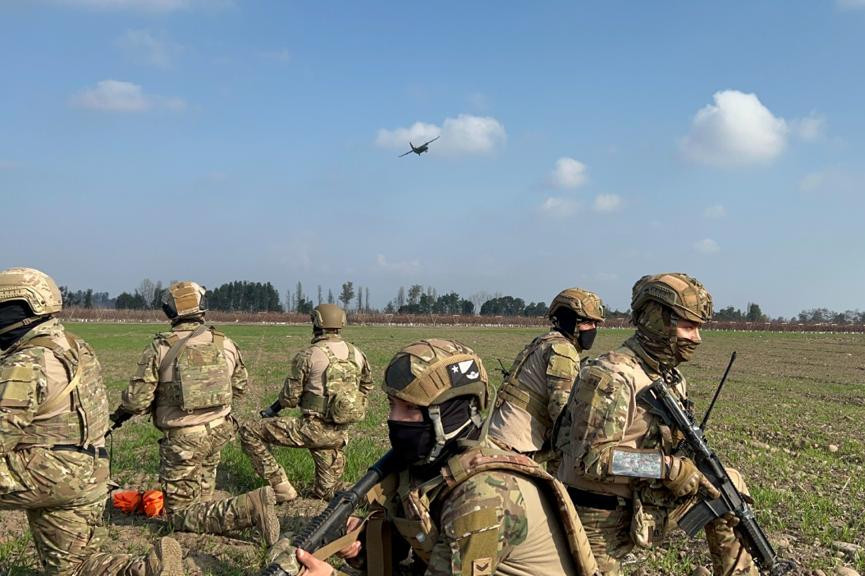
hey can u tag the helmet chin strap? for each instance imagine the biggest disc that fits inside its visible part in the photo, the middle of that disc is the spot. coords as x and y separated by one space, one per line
441 437
25 322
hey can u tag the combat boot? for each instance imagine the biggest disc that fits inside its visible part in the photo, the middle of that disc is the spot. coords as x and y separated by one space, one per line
285 492
164 559
261 509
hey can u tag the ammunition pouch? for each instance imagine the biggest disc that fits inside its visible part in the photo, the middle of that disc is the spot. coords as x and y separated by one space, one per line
313 403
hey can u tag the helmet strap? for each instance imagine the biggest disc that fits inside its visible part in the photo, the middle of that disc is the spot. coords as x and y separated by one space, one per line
25 322
442 438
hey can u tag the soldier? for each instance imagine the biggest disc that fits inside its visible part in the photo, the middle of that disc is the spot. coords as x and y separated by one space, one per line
329 380
617 457
53 420
537 386
186 379
460 505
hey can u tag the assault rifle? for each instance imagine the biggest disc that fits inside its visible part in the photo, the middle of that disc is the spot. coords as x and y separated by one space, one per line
662 403
330 524
505 372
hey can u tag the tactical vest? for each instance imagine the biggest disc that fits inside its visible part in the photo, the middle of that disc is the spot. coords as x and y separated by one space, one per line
513 392
421 532
345 402
85 419
201 377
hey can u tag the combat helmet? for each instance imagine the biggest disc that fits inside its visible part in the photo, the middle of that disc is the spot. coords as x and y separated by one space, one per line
328 317
657 302
429 373
184 299
685 295
586 305
35 288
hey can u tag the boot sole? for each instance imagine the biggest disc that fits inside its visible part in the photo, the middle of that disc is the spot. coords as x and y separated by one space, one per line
269 526
170 557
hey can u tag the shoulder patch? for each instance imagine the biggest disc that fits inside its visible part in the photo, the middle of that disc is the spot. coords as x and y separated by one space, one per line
564 361
566 349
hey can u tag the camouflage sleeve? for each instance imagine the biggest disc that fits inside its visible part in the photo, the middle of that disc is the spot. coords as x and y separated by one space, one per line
292 388
481 522
602 412
563 365
240 376
366 383
141 392
22 382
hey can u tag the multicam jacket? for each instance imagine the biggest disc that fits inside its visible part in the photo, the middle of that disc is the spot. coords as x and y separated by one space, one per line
535 392
149 387
604 414
490 512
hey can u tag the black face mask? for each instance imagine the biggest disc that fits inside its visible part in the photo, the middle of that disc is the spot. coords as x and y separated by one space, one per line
411 441
12 313
585 338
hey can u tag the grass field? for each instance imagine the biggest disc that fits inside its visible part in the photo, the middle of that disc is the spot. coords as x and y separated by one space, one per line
791 419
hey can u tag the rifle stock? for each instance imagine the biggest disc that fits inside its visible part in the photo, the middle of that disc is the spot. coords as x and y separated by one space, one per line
330 523
663 404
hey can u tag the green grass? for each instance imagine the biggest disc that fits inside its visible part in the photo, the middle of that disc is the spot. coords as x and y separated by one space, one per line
789 397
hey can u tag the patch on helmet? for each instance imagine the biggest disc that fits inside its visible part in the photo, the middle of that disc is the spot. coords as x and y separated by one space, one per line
462 373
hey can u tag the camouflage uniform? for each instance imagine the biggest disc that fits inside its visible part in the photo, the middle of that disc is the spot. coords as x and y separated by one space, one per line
489 512
190 449
53 463
306 386
620 511
535 392
538 384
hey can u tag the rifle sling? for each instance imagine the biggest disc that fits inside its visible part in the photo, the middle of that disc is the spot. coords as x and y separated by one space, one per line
332 548
175 349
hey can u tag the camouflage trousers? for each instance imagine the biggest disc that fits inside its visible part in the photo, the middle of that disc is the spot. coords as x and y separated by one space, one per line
609 534
324 440
188 459
64 495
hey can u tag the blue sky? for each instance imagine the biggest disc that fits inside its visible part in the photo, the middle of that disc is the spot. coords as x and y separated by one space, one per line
580 144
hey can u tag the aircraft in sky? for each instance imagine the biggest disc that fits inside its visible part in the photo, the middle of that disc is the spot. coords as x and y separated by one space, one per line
419 149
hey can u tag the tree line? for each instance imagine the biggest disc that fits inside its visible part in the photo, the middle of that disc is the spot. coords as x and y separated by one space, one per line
244 296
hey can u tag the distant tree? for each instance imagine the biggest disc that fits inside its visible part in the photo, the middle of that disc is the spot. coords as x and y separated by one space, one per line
359 298
347 294
390 308
244 296
754 313
400 297
729 314
467 307
156 303
127 301
319 294
330 299
88 298
146 290
414 293
366 299
535 309
503 306
289 303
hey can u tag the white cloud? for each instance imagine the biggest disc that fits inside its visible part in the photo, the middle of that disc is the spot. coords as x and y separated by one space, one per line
707 246
568 173
465 134
404 267
558 206
607 203
145 47
143 5
119 96
715 212
736 130
811 127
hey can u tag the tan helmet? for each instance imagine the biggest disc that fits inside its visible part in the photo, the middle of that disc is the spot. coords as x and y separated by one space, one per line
328 316
35 288
184 299
429 372
583 303
679 292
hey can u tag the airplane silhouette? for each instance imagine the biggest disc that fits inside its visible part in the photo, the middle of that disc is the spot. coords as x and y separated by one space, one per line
419 149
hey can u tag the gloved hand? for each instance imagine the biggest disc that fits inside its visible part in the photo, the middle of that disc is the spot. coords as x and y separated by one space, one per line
118 417
684 479
271 411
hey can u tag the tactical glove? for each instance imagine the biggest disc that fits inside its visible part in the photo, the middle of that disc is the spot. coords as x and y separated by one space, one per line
272 410
684 479
118 417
